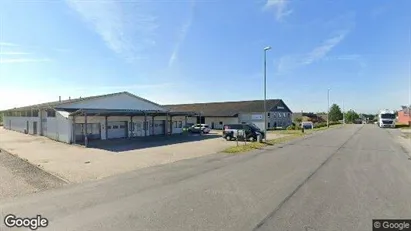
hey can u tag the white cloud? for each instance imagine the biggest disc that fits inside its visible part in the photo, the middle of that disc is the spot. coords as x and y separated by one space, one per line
22 60
126 28
280 6
182 35
322 50
290 62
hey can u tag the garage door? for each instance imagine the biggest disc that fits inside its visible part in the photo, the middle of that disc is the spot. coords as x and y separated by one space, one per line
159 127
116 130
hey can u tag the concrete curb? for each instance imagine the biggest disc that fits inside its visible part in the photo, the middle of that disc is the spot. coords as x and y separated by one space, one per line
36 166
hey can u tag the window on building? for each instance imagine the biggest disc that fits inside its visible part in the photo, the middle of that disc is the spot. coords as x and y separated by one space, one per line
180 124
221 122
279 115
269 125
51 113
122 126
109 127
35 113
115 126
268 115
175 124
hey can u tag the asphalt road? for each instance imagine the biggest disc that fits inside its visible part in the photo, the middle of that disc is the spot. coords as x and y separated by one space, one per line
340 179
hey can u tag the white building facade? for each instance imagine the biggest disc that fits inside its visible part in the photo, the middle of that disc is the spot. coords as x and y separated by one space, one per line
118 115
216 114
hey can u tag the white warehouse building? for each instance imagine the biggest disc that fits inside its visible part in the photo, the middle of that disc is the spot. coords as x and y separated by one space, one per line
117 115
216 114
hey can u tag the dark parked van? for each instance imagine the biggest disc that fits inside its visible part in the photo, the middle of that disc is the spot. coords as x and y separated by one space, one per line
251 131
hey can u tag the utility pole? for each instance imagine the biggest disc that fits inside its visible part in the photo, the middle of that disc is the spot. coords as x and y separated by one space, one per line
343 112
265 92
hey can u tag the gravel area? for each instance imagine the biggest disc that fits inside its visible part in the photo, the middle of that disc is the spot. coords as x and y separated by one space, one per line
19 177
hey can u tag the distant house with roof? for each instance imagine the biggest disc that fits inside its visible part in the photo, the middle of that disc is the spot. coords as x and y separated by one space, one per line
216 114
404 115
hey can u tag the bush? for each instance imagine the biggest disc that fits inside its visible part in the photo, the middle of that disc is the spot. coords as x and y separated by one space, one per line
291 127
320 125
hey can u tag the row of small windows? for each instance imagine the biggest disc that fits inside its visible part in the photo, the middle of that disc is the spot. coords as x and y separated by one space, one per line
279 114
29 113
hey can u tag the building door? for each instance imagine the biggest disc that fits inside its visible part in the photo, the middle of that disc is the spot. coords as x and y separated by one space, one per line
159 126
138 128
34 127
27 127
116 130
212 125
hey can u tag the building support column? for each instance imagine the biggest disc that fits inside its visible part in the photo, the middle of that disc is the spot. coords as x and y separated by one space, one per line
166 125
131 127
171 125
73 131
105 125
145 126
85 130
152 125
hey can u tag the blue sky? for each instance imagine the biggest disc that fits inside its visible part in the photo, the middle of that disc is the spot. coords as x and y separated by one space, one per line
187 51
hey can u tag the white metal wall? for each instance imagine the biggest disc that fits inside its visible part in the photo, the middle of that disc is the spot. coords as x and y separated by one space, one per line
20 123
274 118
59 128
217 120
176 124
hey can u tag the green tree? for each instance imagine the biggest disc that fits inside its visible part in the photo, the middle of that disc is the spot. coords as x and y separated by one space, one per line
335 113
298 119
351 116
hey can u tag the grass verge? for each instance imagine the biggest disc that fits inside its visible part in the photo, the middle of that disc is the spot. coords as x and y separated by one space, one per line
402 126
291 134
257 145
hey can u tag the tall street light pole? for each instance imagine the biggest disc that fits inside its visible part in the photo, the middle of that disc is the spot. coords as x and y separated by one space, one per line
343 114
328 108
265 92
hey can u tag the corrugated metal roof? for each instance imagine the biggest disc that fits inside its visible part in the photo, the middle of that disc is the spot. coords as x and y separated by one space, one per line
60 104
230 108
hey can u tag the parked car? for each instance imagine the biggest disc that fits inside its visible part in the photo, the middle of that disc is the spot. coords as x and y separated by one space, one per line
187 127
251 131
200 128
307 125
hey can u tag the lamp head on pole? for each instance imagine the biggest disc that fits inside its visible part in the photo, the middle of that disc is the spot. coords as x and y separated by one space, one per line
267 48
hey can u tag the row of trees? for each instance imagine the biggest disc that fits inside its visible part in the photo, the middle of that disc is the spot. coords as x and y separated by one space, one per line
350 116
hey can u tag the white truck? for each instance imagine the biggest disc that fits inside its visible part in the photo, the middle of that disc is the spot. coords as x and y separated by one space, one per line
386 118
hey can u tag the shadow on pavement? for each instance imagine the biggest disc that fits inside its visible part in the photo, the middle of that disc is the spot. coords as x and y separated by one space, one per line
121 145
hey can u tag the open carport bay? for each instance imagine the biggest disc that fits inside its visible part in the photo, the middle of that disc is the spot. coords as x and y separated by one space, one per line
110 157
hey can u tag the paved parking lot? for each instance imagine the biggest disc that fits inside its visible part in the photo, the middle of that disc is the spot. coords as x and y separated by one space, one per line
103 159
